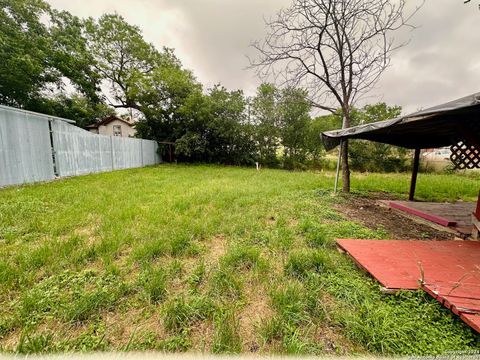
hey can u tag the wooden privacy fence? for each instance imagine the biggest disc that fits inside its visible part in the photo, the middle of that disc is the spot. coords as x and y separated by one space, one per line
37 147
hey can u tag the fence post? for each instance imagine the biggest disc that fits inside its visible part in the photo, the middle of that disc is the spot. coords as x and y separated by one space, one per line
56 172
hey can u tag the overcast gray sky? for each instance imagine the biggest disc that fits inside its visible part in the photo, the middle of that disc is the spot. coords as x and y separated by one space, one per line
212 37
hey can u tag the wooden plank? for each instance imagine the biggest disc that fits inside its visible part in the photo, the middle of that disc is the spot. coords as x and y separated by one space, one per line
475 226
461 233
462 305
433 218
460 212
472 320
461 296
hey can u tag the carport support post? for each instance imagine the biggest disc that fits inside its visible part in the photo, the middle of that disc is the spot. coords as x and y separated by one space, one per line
338 167
413 184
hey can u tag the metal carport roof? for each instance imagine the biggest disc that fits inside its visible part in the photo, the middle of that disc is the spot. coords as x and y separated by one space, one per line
437 126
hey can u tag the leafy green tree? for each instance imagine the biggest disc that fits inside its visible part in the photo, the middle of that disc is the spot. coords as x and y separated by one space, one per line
294 117
313 141
215 129
376 112
227 133
24 49
137 75
71 56
140 77
264 111
163 97
43 52
192 146
121 56
373 156
76 107
368 155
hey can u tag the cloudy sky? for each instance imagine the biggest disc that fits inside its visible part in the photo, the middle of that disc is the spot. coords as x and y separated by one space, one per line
212 37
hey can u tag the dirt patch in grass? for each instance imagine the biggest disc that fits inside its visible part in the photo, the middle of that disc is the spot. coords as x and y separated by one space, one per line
10 341
293 222
217 247
334 343
253 313
271 220
369 213
89 233
123 328
202 337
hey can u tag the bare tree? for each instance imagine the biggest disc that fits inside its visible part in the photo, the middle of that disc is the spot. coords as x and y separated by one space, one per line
336 49
467 1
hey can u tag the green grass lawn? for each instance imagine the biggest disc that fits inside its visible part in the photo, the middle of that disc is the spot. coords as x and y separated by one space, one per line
209 259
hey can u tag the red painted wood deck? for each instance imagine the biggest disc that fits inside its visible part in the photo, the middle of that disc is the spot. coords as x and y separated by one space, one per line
424 214
456 216
447 270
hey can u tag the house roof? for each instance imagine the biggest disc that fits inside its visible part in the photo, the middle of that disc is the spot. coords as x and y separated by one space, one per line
438 126
108 120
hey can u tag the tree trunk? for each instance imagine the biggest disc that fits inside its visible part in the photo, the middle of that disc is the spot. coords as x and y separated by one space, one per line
345 167
344 154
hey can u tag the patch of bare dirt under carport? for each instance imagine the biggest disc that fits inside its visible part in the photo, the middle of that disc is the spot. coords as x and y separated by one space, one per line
370 213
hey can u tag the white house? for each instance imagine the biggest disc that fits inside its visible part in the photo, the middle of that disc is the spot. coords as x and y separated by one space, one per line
113 126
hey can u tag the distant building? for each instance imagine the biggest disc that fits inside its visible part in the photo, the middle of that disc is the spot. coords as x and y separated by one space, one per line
440 154
113 126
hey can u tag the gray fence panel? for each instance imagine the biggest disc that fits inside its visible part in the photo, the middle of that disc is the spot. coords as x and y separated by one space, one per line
105 153
79 152
25 149
150 153
127 152
134 155
26 153
118 153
